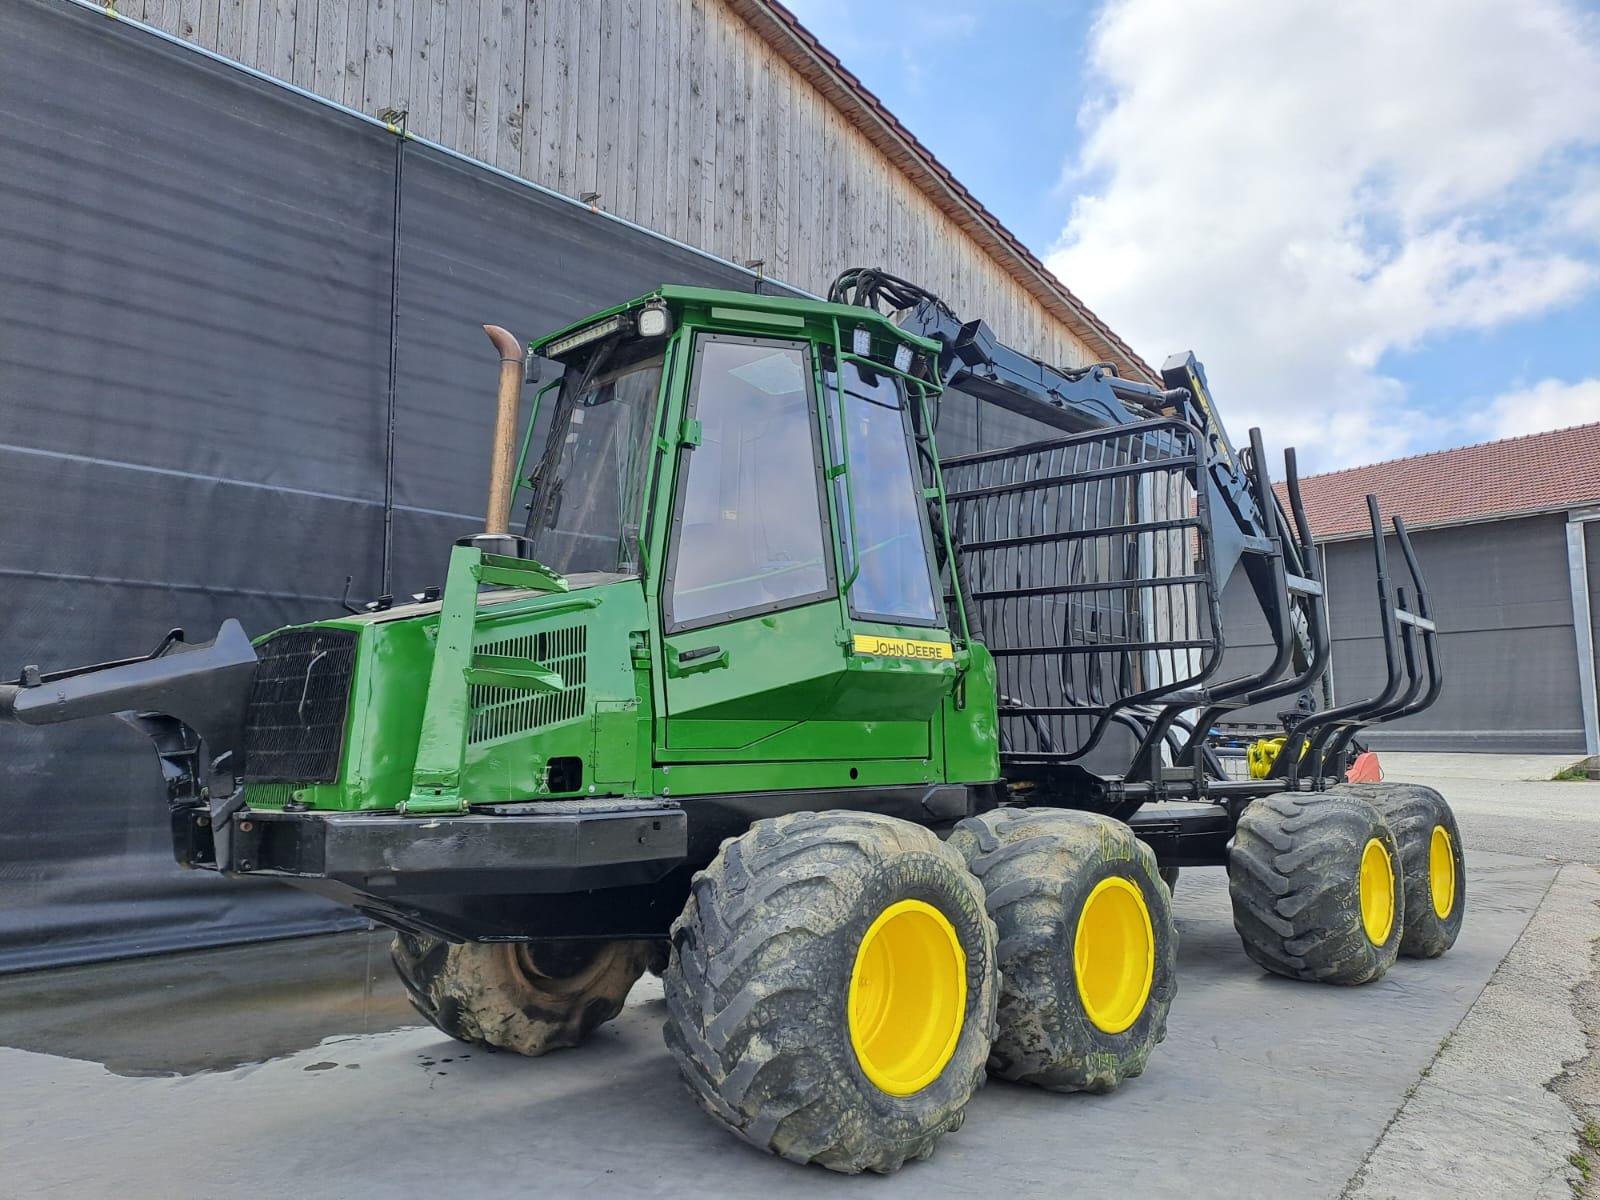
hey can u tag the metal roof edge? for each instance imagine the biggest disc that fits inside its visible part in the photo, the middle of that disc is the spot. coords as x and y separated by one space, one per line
782 30
1365 534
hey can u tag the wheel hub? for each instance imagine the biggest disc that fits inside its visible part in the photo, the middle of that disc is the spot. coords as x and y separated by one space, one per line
1442 871
908 997
1114 954
1377 892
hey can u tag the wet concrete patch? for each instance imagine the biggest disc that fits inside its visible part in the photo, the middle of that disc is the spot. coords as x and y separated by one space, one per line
210 1010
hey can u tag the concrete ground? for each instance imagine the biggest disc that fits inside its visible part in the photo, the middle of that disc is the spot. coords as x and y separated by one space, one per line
295 1068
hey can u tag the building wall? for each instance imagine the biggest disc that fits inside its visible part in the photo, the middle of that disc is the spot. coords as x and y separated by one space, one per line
680 115
194 415
1501 596
1591 533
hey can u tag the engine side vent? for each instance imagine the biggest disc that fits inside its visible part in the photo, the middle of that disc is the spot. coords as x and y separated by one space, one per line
294 726
500 712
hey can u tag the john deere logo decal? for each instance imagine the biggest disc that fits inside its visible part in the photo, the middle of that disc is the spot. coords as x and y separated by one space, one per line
888 647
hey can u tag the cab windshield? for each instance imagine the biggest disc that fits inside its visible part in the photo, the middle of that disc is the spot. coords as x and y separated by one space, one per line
587 488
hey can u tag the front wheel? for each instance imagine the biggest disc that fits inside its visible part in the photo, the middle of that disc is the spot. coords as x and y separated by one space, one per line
831 992
527 997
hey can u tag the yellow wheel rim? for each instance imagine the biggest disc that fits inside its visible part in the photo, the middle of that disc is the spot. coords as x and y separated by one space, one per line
908 997
1442 871
1377 892
1114 954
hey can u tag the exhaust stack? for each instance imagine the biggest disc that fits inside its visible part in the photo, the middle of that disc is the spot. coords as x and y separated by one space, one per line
498 520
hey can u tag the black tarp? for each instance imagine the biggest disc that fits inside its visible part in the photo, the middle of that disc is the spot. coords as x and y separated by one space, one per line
195 291
194 345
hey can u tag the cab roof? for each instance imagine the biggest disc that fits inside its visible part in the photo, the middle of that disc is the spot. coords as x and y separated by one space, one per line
752 313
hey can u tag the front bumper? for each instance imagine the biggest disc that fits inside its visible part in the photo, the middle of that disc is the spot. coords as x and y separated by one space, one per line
531 848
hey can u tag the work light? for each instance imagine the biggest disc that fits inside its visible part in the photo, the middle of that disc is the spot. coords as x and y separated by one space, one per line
654 321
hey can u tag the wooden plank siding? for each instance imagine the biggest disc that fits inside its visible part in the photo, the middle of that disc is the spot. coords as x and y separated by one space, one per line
685 115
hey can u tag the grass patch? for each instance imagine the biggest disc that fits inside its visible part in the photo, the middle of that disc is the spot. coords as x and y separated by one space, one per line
1576 773
1580 1160
1590 1135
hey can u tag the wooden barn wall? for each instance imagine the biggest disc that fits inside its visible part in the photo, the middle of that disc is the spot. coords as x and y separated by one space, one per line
676 112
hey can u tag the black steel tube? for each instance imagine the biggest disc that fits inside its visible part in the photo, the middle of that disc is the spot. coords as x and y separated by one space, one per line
390 401
1425 611
1357 711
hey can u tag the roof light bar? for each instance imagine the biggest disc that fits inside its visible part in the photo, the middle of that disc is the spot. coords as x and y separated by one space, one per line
590 333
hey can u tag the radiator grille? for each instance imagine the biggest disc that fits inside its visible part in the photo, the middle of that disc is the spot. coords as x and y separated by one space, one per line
294 728
500 712
270 795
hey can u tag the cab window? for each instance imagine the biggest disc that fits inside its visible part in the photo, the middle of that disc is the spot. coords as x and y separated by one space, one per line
895 582
749 531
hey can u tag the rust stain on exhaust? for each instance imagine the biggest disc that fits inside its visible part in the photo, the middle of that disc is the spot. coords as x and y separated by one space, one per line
501 465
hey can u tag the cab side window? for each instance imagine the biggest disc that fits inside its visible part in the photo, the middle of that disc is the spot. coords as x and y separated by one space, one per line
893 582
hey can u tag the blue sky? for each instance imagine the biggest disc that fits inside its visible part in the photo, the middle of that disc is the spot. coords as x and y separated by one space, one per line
1378 225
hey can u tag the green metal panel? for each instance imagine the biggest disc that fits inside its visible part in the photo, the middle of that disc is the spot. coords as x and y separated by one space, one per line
779 669
498 739
971 722
470 700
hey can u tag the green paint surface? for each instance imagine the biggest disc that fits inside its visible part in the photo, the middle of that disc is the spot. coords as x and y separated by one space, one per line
519 680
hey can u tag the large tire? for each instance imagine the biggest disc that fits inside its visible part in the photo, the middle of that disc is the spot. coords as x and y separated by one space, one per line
775 981
528 997
1301 868
1061 886
1432 865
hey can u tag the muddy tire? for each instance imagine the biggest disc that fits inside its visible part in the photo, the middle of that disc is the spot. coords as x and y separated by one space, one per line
528 997
788 1005
1431 863
1315 883
1088 950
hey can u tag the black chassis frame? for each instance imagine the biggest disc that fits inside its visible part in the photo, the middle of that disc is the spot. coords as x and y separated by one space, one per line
598 868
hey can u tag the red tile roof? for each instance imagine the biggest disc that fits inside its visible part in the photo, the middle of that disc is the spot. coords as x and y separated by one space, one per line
1536 473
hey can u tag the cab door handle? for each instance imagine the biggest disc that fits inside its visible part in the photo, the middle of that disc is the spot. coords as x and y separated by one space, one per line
701 658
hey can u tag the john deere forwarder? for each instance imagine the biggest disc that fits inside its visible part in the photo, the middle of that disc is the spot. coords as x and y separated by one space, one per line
880 758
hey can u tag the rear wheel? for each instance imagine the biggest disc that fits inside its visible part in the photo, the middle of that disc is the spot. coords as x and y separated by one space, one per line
1315 883
1432 867
529 997
1088 951
831 993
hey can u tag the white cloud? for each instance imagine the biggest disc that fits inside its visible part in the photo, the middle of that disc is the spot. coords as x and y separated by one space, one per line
1548 404
1296 190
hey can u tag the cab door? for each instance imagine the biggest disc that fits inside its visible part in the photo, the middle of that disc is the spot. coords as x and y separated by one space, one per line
902 663
750 609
